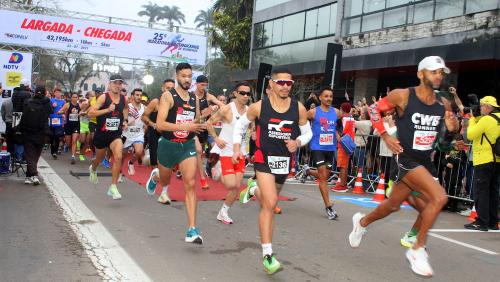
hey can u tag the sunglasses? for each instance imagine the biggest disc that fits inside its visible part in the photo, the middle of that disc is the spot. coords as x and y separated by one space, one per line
246 93
284 82
123 90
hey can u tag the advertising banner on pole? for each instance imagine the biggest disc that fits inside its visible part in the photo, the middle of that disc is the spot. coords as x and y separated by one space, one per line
14 66
100 38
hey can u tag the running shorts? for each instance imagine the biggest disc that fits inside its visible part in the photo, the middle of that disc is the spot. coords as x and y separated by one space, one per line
172 153
403 164
228 167
84 127
342 157
92 127
104 139
129 142
70 128
321 158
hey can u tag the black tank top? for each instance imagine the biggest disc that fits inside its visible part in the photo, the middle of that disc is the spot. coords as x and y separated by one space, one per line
111 122
418 127
154 115
181 112
203 102
273 128
72 114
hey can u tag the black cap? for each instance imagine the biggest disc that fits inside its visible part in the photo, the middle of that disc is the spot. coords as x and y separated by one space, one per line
201 78
116 77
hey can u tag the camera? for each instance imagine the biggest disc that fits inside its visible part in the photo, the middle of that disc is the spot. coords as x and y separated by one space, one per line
474 107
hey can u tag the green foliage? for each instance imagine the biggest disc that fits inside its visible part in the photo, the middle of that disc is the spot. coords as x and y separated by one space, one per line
204 19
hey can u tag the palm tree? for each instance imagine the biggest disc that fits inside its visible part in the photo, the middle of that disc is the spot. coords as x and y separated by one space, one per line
172 14
204 18
152 11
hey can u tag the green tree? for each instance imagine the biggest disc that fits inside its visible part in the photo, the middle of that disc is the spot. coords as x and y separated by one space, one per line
204 18
172 14
69 72
231 31
152 11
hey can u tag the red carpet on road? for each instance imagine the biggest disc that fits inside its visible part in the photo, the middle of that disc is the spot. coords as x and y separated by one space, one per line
216 192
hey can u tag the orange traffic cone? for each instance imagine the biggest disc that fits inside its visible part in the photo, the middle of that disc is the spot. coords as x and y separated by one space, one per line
358 185
4 147
473 214
380 192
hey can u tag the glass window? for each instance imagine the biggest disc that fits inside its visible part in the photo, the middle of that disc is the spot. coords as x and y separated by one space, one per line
94 86
474 6
264 4
333 18
423 12
352 26
393 3
353 8
277 31
373 5
293 27
85 87
311 23
258 34
372 22
395 17
268 33
449 8
323 21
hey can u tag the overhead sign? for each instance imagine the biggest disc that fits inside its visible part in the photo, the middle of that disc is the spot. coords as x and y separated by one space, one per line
91 37
14 67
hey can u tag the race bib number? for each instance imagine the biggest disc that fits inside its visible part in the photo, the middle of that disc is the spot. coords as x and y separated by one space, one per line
278 165
326 139
134 129
423 140
183 118
55 121
112 124
73 117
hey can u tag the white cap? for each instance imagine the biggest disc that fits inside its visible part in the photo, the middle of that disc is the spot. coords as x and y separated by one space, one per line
25 82
433 63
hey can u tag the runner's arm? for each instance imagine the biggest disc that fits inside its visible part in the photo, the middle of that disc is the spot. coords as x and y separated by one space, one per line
216 117
63 109
147 112
242 124
166 103
94 110
311 113
212 99
391 101
305 127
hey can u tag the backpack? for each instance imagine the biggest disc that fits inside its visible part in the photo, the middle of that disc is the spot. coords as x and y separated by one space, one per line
34 117
495 147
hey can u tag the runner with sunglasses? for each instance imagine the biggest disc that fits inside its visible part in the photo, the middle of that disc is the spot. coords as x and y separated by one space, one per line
232 174
282 127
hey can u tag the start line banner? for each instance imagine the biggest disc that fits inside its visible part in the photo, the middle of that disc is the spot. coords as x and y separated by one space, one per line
99 38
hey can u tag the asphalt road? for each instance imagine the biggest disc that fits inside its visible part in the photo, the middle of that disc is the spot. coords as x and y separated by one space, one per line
36 239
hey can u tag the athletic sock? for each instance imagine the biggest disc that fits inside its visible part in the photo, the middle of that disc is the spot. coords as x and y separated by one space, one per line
252 190
165 189
413 232
225 208
267 249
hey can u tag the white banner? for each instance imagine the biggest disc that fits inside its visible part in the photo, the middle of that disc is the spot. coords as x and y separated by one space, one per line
14 67
100 38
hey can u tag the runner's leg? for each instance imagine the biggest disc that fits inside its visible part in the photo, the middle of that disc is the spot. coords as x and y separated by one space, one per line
268 197
188 169
116 147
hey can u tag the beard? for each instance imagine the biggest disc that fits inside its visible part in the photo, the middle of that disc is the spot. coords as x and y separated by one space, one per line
184 85
429 83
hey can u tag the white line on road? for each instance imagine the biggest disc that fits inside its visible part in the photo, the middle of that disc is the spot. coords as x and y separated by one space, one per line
462 231
110 259
463 244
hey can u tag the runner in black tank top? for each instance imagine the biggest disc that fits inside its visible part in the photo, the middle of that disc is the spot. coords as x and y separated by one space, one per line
178 112
420 116
110 111
71 111
278 119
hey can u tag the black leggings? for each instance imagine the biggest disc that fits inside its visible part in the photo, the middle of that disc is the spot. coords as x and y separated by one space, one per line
153 137
55 137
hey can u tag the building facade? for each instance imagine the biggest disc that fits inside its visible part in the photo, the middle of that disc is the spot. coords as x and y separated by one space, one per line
383 41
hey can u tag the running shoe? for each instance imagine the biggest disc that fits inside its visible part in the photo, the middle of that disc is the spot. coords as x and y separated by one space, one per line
131 169
54 156
72 160
271 264
224 218
151 183
419 261
82 158
164 199
476 226
339 188
277 210
466 212
120 178
204 183
494 227
357 230
193 236
408 241
331 213
28 180
113 192
245 194
35 180
106 163
93 175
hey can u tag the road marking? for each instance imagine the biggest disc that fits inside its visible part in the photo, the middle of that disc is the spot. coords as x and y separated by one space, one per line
111 260
462 231
463 244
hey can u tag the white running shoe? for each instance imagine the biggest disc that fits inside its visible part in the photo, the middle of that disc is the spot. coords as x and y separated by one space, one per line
114 193
419 261
164 199
35 180
224 217
131 169
357 230
120 178
28 180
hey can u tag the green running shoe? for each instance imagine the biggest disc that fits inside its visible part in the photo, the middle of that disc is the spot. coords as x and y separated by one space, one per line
93 175
245 195
82 158
408 241
271 264
114 193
